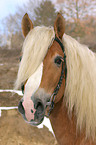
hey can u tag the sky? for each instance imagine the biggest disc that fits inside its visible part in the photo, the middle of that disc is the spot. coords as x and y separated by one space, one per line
9 7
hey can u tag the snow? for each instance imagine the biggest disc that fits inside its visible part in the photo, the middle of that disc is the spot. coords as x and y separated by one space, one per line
13 91
46 121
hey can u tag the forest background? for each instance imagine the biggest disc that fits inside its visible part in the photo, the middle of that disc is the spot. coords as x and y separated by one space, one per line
80 20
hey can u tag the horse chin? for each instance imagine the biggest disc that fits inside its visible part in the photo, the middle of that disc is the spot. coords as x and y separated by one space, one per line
34 122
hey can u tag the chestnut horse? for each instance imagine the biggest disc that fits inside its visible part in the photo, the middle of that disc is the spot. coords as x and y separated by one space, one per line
58 78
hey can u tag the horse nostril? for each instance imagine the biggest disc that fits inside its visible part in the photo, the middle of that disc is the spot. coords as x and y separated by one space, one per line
21 108
39 108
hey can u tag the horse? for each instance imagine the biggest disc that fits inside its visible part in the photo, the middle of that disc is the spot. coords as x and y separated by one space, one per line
57 75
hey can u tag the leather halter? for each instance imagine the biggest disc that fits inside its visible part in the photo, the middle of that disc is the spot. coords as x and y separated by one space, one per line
64 69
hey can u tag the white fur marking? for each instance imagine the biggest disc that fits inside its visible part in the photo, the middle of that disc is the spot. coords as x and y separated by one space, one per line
31 86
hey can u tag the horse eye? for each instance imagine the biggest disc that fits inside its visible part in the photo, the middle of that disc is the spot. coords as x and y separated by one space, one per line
58 60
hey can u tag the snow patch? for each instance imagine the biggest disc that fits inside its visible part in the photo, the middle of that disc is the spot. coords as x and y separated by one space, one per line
46 123
12 91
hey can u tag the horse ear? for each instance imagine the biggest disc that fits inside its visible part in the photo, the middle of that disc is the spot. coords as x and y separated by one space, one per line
27 25
59 26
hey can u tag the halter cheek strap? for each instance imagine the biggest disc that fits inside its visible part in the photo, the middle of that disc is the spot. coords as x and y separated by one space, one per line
64 69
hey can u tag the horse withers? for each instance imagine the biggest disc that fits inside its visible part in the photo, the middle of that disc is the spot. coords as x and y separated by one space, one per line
58 77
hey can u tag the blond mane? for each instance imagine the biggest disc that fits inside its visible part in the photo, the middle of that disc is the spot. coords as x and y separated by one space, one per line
80 91
34 50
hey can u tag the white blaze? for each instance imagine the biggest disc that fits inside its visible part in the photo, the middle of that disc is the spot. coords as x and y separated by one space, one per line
31 86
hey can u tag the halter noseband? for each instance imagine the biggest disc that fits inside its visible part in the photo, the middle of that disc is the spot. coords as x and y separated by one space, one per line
64 69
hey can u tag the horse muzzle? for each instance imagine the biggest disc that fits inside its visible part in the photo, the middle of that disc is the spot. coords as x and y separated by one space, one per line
33 112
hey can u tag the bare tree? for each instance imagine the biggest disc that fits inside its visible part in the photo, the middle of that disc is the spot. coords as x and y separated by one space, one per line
80 16
77 9
45 13
12 23
11 26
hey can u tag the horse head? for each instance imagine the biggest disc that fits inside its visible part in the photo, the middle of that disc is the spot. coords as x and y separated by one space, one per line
45 87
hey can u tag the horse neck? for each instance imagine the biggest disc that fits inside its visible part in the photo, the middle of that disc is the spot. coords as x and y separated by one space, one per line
65 127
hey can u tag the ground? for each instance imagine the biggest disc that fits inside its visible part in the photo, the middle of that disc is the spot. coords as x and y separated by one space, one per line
13 129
